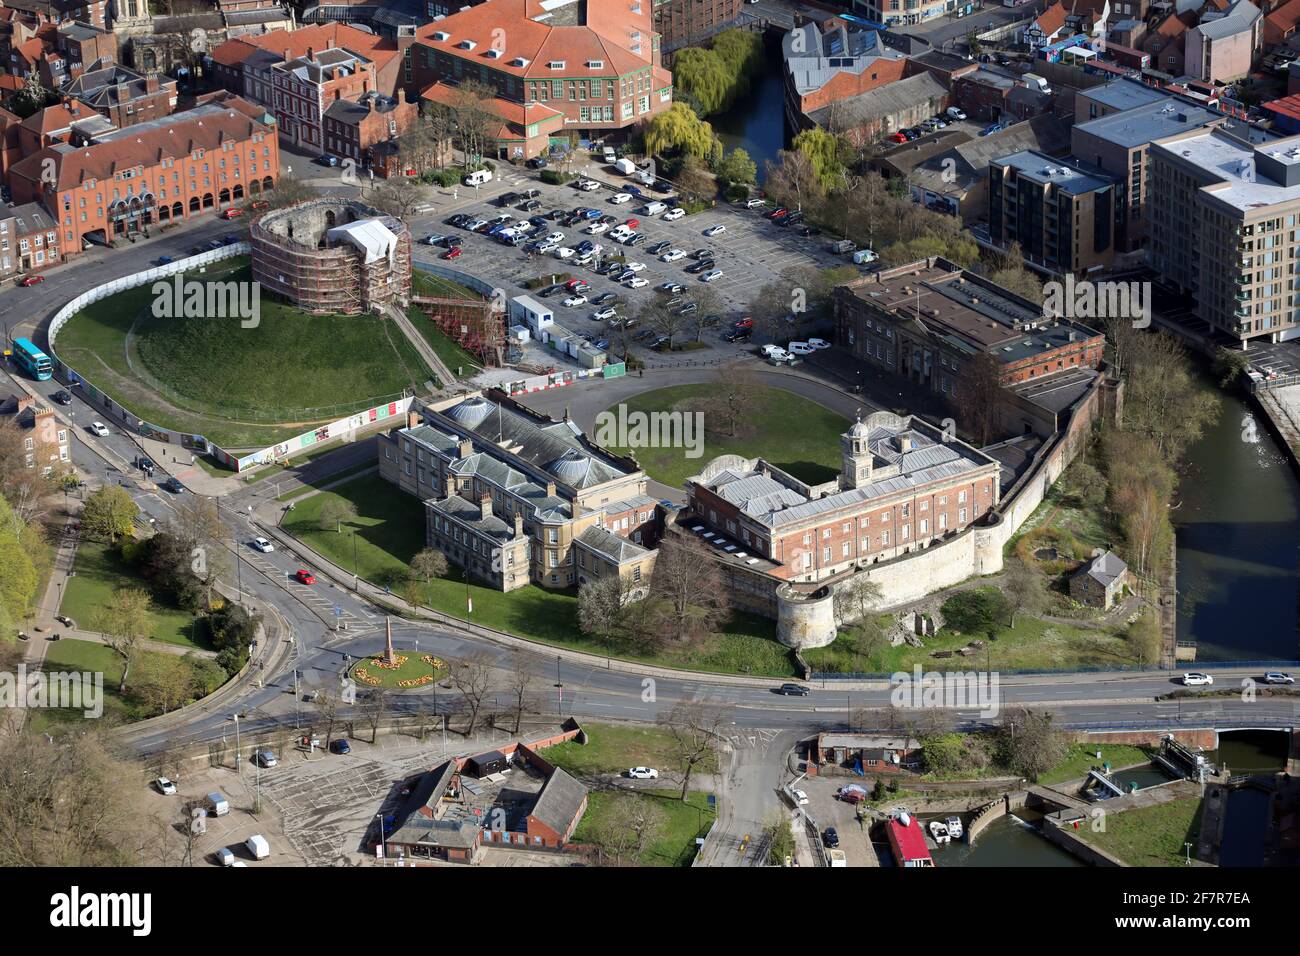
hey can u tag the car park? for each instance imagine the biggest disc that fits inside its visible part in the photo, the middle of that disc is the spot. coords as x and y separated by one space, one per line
704 265
1197 679
529 205
261 544
586 245
165 786
224 857
632 223
711 276
755 203
717 230
432 239
636 282
688 308
588 185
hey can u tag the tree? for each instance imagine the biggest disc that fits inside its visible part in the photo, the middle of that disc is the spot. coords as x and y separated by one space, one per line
1023 588
162 682
695 180
823 151
24 486
656 314
374 705
471 676
475 118
19 576
678 130
731 399
1163 398
1144 638
397 196
1230 365
628 827
693 729
737 167
109 513
688 588
429 563
602 608
521 685
289 191
125 622
327 706
979 398
780 841
977 611
792 181
702 79
334 512
1028 743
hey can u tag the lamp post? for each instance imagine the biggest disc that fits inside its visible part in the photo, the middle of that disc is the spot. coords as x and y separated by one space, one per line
355 579
236 718
383 847
559 689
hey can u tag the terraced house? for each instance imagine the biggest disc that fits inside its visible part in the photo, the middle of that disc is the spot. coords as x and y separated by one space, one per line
558 66
514 497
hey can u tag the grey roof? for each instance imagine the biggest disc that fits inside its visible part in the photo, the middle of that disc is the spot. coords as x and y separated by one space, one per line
1046 133
941 61
556 448
352 112
240 18
460 834
813 58
1069 176
1105 568
471 516
1034 99
610 546
1124 94
883 101
986 76
628 504
103 88
31 217
1058 391
1148 122
854 741
560 801
1240 16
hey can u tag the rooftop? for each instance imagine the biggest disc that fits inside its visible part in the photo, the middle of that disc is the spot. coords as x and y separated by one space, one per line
1124 94
813 56
1244 177
1148 122
1066 175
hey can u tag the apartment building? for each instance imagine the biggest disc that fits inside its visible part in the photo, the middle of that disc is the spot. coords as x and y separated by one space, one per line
680 22
45 438
902 485
517 498
353 128
302 89
1222 46
903 12
1119 144
925 320
159 171
557 67
1065 215
1223 228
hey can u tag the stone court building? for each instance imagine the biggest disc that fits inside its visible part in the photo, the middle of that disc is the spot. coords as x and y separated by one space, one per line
518 498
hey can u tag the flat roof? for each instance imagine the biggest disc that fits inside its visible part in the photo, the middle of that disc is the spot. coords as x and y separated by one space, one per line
1148 122
1074 179
1237 179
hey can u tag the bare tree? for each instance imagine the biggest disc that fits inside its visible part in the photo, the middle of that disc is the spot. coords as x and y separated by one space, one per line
688 588
429 563
125 622
602 608
374 705
520 687
471 676
628 828
694 730
979 399
334 512
327 706
1023 587
731 399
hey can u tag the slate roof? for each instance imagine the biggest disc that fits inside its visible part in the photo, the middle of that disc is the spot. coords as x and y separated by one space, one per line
610 546
883 101
1106 568
560 801
471 515
813 57
1239 18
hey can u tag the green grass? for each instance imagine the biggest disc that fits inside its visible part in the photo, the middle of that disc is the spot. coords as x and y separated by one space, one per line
238 387
389 530
412 668
1033 644
339 476
793 433
213 467
100 571
87 656
675 845
1083 757
1150 836
452 355
612 748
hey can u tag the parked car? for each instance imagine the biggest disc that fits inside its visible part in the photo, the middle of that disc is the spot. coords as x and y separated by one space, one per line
537 162
330 161
63 397
673 287
266 759
899 137
672 255
433 239
98 429
956 113
800 348
303 576
619 198
659 247
452 253
601 315
800 797
636 266
165 787
636 282
712 275
232 213
819 344
340 747
704 265
756 204
596 228
224 857
643 773
778 212
574 300
31 280
1196 679
717 230
261 544
605 297
792 690
831 838
672 215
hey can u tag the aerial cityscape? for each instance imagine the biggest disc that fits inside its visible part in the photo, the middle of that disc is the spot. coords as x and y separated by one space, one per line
650 434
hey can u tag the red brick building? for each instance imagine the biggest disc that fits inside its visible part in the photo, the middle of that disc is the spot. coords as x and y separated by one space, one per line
591 68
122 96
353 128
177 167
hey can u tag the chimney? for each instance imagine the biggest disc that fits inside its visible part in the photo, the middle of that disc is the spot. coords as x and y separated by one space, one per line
485 506
449 486
464 448
550 489
519 524
25 402
311 54
401 97
151 84
904 443
288 55
412 418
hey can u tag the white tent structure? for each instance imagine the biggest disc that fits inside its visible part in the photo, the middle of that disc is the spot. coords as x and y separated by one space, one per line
375 240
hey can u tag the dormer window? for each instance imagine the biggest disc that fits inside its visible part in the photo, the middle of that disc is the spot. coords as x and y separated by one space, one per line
441 35
595 64
467 44
494 52
555 65
519 61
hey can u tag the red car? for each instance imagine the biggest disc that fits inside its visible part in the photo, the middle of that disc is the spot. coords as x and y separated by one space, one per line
305 577
574 283
451 253
632 223
232 213
260 204
898 138
31 280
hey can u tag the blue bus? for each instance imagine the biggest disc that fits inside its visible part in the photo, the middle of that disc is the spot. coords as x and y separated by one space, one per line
32 360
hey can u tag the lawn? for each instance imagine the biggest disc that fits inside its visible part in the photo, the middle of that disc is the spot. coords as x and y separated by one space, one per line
793 433
1083 757
239 387
100 571
389 530
1033 644
87 656
1150 836
612 748
412 670
675 845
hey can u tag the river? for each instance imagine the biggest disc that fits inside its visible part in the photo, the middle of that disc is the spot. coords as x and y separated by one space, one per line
1238 536
757 122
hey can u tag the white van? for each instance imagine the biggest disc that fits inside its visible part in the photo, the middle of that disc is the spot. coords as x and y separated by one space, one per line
258 846
218 806
653 208
837 858
478 177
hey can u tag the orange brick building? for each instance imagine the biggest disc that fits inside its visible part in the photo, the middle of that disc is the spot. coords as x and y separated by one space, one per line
177 167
